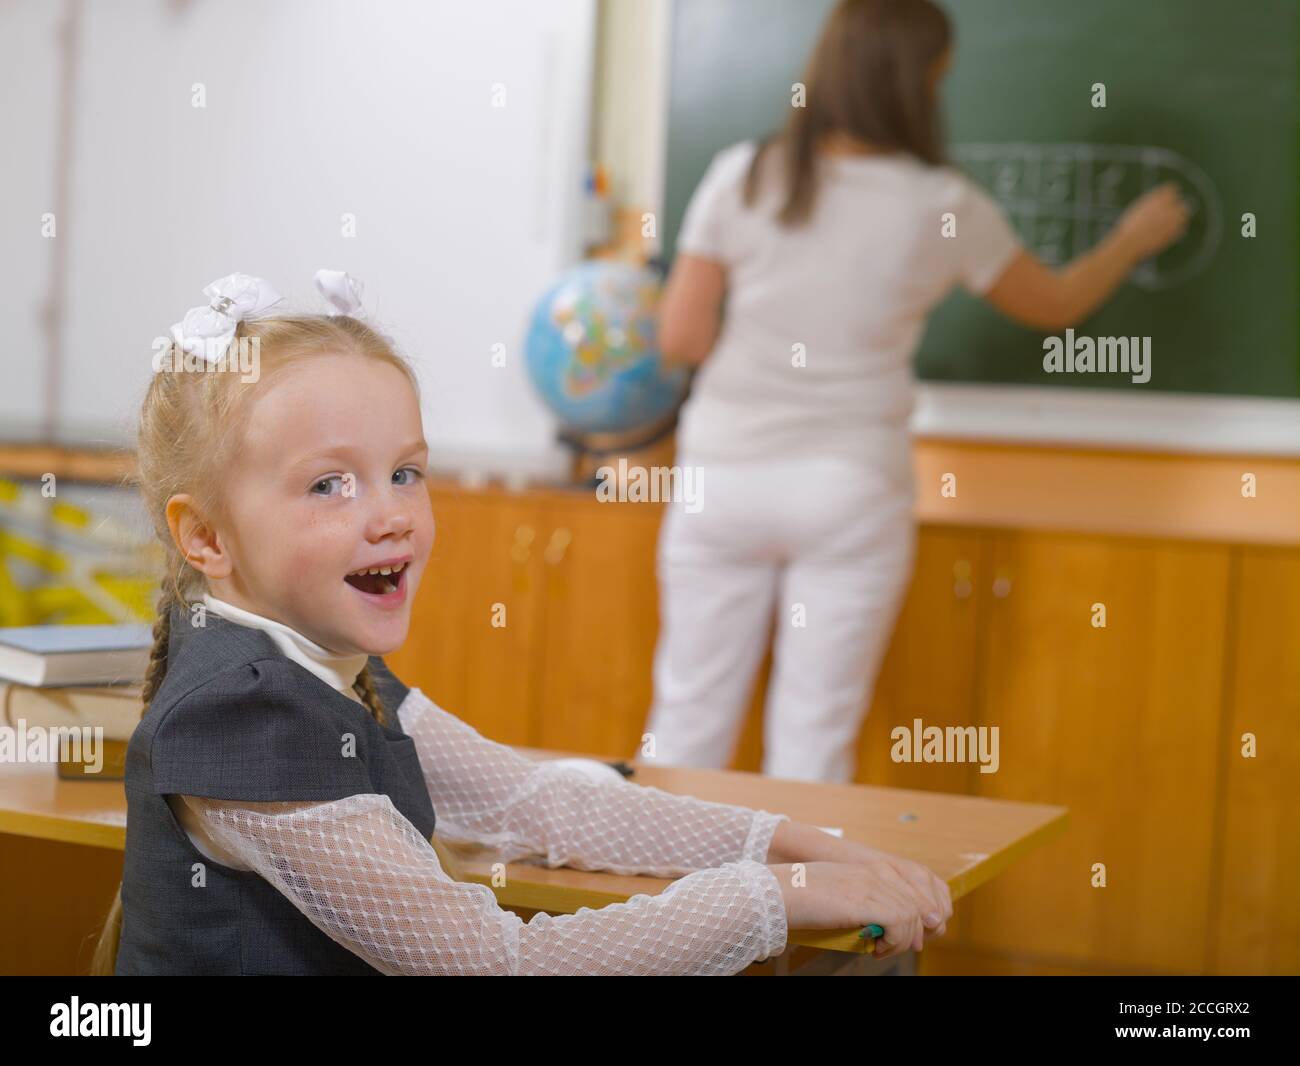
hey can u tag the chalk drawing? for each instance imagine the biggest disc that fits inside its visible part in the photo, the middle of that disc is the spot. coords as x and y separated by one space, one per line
1062 198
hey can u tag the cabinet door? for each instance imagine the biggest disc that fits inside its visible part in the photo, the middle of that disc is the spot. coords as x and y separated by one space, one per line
1256 921
1119 724
929 671
601 597
475 620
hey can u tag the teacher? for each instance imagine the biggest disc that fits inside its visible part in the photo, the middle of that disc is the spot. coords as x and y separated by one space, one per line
831 242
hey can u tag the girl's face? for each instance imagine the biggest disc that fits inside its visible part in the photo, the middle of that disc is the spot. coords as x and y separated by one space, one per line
328 484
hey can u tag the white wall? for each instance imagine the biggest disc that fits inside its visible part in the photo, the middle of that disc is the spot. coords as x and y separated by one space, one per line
29 83
464 212
631 101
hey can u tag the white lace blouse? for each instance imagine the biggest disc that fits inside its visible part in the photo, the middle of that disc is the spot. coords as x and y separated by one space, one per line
364 875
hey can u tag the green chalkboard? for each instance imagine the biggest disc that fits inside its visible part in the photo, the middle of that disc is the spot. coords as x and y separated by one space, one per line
1201 91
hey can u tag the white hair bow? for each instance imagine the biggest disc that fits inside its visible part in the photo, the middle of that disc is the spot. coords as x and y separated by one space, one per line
207 330
341 291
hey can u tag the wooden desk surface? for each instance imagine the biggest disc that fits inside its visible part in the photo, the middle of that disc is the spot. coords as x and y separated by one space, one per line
966 840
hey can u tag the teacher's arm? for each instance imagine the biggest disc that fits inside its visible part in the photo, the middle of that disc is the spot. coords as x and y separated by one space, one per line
690 310
1033 294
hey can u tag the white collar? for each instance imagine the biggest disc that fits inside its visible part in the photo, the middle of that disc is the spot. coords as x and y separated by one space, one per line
337 671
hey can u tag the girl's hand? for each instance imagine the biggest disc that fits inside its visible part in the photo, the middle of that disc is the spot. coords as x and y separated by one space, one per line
835 895
1154 220
924 881
798 842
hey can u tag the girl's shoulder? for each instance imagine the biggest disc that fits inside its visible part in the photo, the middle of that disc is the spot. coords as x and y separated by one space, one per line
235 719
260 731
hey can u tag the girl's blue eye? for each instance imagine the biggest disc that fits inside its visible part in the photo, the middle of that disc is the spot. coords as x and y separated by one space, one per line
415 473
326 481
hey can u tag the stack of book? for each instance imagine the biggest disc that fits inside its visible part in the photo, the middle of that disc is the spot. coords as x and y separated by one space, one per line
74 690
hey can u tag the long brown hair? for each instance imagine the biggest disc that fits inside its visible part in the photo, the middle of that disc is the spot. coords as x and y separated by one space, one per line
190 423
870 77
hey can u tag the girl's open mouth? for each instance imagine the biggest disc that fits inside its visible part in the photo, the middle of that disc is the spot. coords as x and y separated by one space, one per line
381 581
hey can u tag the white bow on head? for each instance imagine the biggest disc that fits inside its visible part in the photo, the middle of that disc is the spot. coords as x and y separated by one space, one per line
207 330
341 291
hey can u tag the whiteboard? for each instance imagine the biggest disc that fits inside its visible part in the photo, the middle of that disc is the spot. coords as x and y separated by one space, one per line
464 210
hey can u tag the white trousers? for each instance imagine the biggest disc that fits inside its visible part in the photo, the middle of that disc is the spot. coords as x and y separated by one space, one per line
826 544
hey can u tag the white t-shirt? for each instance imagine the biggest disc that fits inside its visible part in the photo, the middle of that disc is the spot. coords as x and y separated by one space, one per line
846 294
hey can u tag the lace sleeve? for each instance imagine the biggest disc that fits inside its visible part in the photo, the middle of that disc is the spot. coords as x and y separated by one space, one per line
488 793
363 874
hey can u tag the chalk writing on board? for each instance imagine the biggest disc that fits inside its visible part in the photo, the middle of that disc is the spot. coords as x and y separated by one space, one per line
1062 198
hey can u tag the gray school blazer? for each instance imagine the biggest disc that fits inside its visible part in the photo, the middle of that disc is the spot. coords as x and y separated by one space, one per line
236 719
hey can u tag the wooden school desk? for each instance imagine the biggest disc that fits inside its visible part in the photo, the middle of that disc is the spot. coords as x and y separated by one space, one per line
61 844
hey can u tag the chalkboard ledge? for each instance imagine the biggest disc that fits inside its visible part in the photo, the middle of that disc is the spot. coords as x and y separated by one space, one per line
1108 418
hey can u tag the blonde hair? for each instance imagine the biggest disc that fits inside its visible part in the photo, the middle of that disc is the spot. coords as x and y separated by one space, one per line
190 424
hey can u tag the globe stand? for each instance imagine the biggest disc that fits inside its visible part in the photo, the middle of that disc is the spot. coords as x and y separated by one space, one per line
648 446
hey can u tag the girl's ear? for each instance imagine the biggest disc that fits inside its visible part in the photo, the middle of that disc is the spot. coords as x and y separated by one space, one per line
195 538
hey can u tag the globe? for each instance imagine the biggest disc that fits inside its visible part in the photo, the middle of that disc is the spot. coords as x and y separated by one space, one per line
591 350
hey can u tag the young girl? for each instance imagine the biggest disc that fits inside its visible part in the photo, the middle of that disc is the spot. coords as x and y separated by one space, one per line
831 243
283 786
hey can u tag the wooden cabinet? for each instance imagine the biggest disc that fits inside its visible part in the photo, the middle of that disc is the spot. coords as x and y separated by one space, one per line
484 570
929 672
1118 723
538 600
1256 912
601 621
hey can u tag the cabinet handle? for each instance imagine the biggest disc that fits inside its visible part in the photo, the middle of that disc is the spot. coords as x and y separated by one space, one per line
961 584
1002 586
521 550
560 541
